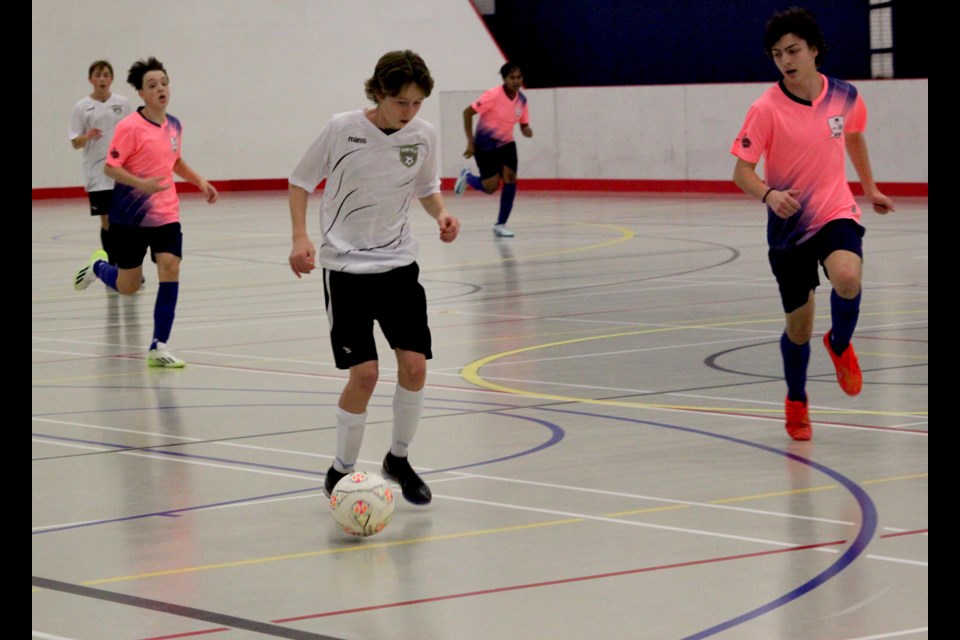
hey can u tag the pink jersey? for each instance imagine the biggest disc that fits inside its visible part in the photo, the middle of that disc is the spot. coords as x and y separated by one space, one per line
803 147
146 150
498 115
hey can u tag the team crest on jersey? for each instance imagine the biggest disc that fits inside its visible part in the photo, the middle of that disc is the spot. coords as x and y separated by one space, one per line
836 126
117 109
173 143
408 155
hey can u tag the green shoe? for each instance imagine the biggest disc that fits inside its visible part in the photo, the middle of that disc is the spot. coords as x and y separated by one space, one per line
161 357
85 274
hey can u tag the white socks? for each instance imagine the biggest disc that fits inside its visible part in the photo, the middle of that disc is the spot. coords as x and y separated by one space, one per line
407 406
350 427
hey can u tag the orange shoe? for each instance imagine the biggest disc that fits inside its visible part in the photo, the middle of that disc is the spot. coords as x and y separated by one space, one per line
798 420
848 367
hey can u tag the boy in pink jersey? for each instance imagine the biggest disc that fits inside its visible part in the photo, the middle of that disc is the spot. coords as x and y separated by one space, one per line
801 127
145 212
500 109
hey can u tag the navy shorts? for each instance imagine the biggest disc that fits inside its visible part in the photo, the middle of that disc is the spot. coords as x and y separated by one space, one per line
130 243
395 299
491 162
100 202
796 268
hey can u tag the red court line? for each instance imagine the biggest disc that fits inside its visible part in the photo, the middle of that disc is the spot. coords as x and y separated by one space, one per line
893 189
534 585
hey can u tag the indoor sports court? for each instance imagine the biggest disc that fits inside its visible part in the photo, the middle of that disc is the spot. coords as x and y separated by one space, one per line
603 433
603 418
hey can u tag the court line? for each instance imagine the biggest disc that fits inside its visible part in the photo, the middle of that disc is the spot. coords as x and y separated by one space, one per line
179 610
471 373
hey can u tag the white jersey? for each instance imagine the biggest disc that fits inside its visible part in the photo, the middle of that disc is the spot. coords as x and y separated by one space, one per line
92 114
371 179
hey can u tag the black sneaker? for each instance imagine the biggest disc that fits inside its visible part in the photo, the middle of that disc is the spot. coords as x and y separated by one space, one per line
414 489
333 477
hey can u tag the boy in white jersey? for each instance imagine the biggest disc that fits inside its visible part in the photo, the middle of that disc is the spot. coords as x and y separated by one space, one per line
375 161
803 126
92 121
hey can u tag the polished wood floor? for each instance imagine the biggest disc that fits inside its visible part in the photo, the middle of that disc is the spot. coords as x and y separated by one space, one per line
602 430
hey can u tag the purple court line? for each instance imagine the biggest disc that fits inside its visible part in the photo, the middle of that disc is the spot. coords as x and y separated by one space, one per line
867 508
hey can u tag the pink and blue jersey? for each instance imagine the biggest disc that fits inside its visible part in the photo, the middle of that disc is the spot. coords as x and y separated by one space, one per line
145 149
498 116
802 146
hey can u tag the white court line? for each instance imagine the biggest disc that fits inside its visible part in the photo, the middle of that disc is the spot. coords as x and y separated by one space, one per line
894 634
464 476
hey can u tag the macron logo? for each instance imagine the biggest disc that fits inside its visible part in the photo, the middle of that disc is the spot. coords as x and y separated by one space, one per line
357 140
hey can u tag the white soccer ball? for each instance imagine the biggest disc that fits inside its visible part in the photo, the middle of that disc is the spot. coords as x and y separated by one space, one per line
362 503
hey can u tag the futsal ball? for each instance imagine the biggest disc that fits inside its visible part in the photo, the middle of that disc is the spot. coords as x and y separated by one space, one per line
362 503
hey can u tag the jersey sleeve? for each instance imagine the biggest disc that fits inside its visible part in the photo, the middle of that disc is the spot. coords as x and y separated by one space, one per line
77 126
525 114
486 101
857 122
314 165
123 144
753 138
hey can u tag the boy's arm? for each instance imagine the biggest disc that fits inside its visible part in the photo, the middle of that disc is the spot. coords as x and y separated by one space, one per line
184 170
856 144
302 255
147 185
783 203
449 224
468 114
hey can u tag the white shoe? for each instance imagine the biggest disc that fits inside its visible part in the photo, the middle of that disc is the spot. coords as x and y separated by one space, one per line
161 357
461 185
501 231
85 275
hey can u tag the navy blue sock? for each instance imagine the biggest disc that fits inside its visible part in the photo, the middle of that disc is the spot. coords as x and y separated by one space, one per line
163 311
506 201
475 182
844 314
795 360
105 243
106 272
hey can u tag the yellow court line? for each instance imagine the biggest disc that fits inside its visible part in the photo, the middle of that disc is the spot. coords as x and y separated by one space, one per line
366 546
369 546
471 374
625 234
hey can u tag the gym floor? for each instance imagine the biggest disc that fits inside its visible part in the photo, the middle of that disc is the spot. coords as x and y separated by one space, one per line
602 430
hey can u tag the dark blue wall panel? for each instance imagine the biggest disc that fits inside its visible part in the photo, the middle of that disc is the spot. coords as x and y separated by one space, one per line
565 43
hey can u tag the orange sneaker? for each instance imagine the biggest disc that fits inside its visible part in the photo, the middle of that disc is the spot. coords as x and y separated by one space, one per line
798 420
848 367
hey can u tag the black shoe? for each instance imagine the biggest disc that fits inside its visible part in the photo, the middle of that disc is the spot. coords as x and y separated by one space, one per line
414 489
333 477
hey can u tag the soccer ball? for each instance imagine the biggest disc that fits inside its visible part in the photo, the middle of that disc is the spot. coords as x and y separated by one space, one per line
362 503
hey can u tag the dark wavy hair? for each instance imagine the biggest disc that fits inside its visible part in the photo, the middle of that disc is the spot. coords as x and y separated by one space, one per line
801 23
140 68
508 68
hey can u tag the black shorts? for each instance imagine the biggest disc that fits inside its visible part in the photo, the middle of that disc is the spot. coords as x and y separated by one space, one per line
491 162
100 202
395 299
796 268
130 243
